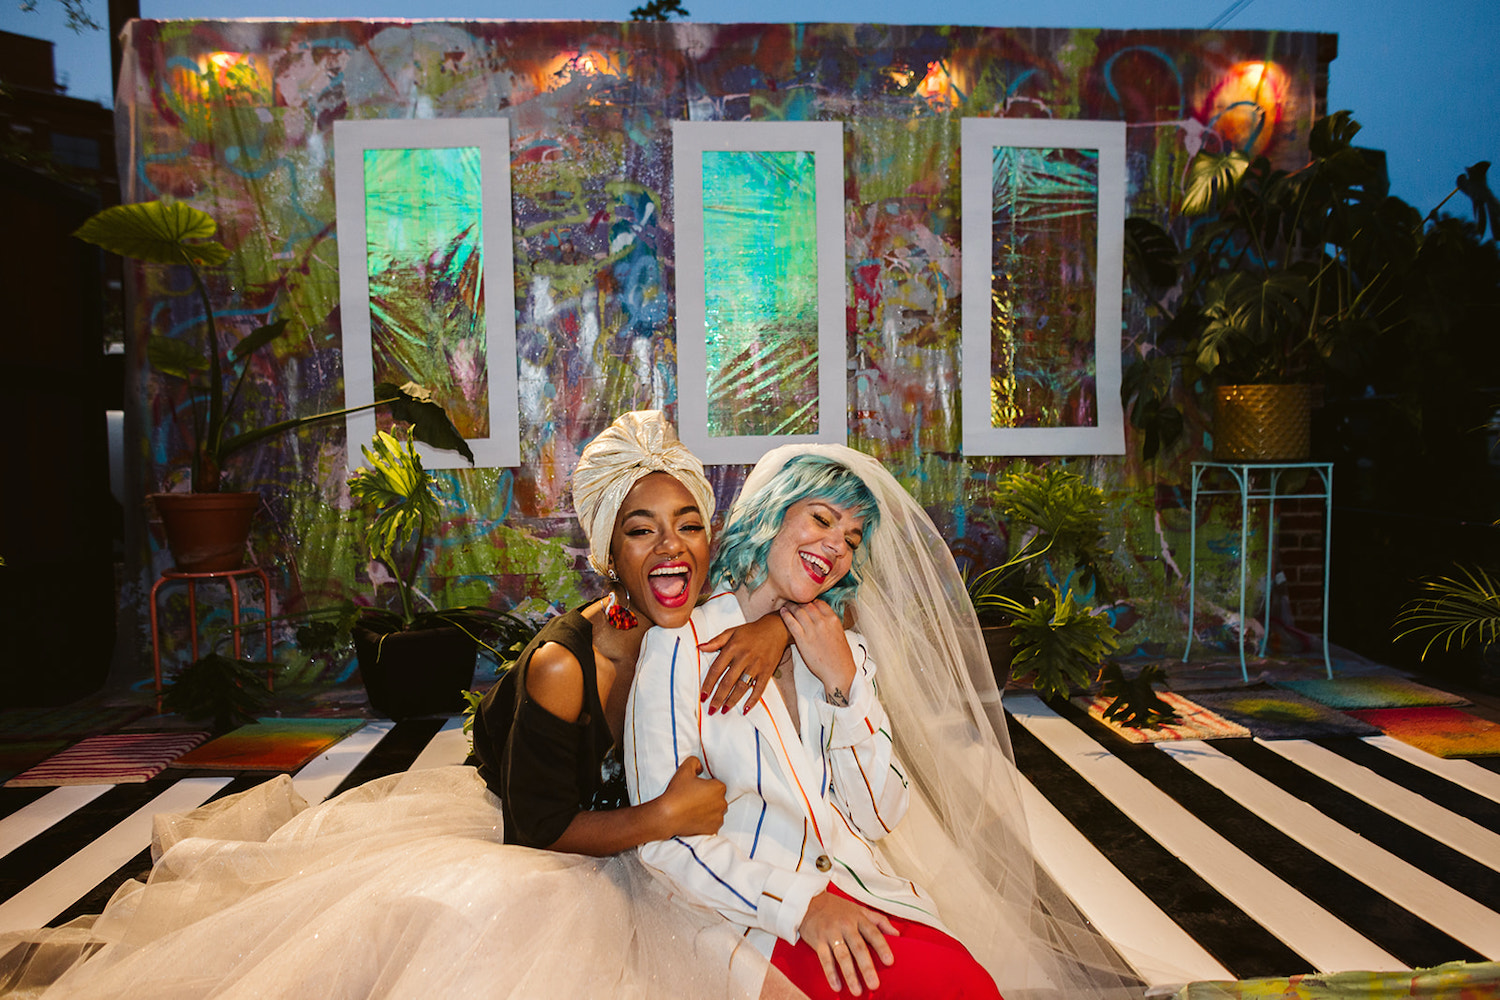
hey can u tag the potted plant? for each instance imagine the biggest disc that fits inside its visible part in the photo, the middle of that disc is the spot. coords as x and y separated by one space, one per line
1284 279
415 661
1033 606
176 234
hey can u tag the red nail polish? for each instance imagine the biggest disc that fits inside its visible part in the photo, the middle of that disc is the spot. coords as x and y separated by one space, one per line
703 696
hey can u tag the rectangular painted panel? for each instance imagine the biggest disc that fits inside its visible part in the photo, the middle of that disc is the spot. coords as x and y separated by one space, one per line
761 323
425 258
426 277
1044 271
761 290
1043 251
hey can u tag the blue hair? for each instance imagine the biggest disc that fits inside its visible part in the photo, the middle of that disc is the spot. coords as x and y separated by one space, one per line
745 545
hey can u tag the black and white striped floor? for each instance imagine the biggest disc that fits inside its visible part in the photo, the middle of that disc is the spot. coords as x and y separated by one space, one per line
1235 859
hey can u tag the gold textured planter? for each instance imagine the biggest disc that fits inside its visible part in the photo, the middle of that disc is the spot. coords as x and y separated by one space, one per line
1262 423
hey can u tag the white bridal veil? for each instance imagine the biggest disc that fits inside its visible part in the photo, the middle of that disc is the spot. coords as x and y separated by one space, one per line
965 837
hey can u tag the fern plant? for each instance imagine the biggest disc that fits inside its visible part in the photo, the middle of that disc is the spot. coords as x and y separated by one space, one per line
230 692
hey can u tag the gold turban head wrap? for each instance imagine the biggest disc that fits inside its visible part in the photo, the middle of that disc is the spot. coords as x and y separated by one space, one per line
637 444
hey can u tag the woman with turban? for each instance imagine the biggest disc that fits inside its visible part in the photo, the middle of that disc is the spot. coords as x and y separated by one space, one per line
411 885
545 735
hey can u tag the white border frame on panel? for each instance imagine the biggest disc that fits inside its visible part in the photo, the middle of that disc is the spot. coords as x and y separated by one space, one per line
825 140
980 137
491 136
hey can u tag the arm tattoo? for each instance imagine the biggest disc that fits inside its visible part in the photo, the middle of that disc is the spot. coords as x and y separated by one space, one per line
837 698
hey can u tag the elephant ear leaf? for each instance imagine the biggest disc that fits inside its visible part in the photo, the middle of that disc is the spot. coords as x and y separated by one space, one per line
175 357
158 232
256 339
429 421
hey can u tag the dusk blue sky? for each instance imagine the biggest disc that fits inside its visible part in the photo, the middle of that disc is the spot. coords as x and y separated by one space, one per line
1423 78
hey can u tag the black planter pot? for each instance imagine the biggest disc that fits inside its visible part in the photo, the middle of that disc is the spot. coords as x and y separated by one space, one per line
416 672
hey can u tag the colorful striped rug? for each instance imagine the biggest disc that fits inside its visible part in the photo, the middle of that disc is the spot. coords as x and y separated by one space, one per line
1441 731
112 759
270 745
1371 692
1195 723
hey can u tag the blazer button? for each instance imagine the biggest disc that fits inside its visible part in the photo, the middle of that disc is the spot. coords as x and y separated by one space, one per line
823 864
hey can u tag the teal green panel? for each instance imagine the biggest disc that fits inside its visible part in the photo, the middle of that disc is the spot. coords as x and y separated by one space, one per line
426 260
760 235
1043 284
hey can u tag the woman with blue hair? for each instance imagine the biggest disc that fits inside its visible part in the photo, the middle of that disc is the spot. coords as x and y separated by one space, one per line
812 776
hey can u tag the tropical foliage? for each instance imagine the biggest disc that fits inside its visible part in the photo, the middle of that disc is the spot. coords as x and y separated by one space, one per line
1135 701
229 692
1454 612
1282 276
177 234
402 497
1056 520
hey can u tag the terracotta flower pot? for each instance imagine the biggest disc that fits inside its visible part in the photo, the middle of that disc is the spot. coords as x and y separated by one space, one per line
206 531
416 672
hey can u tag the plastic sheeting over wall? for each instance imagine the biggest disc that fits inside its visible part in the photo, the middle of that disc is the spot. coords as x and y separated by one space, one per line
237 118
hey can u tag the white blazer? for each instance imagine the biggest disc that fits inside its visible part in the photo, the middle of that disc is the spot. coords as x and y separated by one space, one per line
803 807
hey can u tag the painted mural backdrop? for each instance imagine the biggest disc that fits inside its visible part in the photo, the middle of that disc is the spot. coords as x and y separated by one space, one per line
237 118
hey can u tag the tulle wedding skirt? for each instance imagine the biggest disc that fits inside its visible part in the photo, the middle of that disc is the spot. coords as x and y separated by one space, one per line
401 887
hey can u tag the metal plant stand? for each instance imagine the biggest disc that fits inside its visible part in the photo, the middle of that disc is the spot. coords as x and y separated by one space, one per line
1259 481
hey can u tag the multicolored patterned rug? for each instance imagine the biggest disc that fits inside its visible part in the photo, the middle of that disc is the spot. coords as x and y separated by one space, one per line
1453 981
112 759
67 722
1196 723
1371 692
1272 714
1441 731
270 745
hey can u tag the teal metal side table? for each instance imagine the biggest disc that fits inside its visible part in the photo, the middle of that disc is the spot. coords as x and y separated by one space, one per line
1259 481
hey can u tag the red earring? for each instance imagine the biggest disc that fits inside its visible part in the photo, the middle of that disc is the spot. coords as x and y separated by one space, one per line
618 615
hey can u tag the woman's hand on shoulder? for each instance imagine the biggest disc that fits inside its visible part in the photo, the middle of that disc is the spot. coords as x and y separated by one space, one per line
751 650
691 805
844 934
819 635
554 680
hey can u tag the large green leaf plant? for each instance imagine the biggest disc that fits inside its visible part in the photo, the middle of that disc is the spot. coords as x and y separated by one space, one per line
1283 277
401 497
1056 521
173 233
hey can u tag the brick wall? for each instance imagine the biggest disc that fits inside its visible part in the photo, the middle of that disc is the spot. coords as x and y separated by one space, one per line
1299 554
